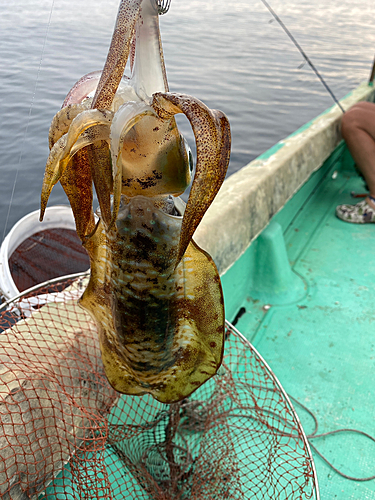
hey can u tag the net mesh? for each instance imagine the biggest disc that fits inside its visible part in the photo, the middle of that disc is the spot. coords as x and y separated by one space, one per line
66 434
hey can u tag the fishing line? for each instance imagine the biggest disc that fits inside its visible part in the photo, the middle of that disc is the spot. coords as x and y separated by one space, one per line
303 53
28 120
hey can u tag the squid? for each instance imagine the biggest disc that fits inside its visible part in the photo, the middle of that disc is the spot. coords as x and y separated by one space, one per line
153 293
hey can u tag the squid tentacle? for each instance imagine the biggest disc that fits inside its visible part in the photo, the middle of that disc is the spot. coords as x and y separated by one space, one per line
86 85
53 172
118 54
99 156
82 122
148 71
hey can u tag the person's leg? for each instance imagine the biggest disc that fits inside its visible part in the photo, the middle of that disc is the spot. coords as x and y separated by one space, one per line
358 131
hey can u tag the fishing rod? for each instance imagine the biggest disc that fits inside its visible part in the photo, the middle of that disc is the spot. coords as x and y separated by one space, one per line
372 76
309 62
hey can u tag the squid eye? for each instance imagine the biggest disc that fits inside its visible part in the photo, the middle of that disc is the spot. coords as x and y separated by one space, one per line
163 6
191 161
189 154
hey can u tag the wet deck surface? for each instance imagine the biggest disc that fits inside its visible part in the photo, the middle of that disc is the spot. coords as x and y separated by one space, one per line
322 346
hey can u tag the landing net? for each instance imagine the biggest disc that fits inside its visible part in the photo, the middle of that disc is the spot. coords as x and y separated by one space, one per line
66 434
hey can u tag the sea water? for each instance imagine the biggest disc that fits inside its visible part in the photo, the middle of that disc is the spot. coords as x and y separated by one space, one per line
230 54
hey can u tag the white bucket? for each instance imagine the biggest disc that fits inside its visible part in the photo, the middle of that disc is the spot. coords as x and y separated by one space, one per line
59 216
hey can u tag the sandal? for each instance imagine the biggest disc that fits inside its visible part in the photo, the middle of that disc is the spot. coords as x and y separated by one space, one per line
361 213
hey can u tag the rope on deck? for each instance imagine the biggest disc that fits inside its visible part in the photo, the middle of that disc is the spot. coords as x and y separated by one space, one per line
312 435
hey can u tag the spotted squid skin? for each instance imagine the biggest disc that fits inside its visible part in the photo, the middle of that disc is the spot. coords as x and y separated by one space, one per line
143 277
154 294
146 308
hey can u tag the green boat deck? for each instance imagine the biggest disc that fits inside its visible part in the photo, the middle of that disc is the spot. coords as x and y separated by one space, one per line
313 321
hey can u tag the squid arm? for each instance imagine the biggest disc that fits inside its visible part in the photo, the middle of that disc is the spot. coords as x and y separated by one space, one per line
63 119
212 135
77 178
67 146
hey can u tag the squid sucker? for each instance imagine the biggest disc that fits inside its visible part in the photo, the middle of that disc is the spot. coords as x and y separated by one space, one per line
155 296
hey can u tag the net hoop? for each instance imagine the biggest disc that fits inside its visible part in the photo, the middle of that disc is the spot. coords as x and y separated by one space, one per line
285 395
